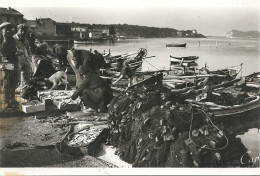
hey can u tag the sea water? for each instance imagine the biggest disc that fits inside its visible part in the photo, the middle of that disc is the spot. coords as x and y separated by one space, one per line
215 52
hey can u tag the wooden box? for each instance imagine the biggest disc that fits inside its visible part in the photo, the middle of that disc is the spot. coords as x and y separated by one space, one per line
72 106
33 106
49 97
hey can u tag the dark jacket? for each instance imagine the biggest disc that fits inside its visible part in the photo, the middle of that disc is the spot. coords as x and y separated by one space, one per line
9 50
60 50
85 57
92 82
100 61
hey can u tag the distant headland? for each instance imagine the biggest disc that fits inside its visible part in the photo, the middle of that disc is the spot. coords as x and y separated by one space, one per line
243 34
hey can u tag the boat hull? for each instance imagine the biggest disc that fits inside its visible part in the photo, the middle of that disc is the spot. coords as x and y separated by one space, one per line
236 109
176 45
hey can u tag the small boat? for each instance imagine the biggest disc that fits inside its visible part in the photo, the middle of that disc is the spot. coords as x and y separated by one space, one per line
230 72
176 45
173 60
220 78
84 42
135 62
232 97
186 58
220 111
253 80
157 78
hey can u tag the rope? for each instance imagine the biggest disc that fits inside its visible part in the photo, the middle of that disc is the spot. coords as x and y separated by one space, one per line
152 65
206 146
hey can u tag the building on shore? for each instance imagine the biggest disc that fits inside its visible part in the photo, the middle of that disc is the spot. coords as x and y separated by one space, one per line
63 30
79 32
42 27
47 28
95 34
11 15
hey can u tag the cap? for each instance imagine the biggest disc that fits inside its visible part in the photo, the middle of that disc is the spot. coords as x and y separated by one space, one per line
21 26
5 24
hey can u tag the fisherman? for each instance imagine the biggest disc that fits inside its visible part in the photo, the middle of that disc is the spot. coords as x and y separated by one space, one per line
24 53
85 57
41 48
94 90
61 52
8 45
100 60
31 39
8 52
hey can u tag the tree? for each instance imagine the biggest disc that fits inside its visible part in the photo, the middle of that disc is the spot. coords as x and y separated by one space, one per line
112 31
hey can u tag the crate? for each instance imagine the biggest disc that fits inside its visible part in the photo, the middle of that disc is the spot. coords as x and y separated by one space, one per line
72 106
47 101
33 106
63 93
51 99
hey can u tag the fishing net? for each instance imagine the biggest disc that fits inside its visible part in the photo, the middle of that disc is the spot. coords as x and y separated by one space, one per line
153 127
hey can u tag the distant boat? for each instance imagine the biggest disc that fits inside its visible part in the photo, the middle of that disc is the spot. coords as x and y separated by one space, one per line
84 42
176 45
187 58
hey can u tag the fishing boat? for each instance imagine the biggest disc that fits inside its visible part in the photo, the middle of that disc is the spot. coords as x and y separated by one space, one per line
196 79
253 80
84 42
183 65
230 72
220 111
176 45
186 58
232 99
134 60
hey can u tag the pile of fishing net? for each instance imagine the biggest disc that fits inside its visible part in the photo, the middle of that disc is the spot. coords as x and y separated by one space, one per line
151 128
229 96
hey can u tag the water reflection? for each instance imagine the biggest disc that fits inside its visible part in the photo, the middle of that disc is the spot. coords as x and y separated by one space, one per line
243 134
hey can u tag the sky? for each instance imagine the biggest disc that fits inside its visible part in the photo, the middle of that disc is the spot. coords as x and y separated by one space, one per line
209 17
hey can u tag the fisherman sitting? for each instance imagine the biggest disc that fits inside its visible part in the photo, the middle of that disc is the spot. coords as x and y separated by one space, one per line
41 48
94 90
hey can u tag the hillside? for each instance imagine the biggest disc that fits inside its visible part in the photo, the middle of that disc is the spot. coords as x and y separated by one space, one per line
133 31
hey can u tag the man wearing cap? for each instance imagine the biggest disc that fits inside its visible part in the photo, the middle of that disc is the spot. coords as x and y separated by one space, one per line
24 52
8 46
8 53
94 90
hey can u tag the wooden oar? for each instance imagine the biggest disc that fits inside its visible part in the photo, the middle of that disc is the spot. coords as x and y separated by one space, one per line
148 57
116 56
